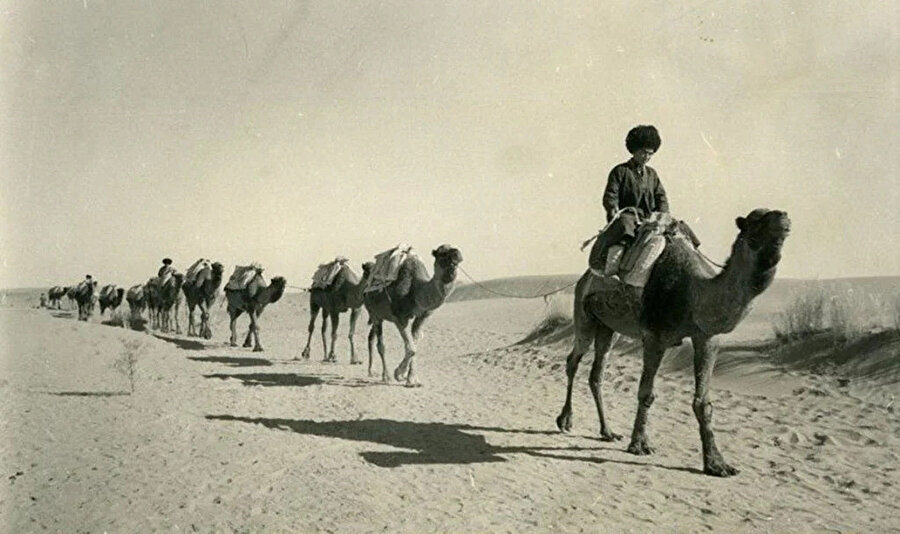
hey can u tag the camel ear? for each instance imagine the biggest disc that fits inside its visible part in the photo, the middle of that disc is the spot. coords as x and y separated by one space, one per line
741 223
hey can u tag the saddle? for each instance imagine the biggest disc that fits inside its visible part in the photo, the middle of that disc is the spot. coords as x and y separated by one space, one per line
632 263
243 275
195 270
327 272
387 266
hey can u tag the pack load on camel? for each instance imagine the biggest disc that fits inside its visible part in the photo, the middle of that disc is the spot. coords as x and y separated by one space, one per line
244 274
196 269
626 253
387 266
326 272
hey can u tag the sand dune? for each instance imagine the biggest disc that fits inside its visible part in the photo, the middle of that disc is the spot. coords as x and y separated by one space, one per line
215 438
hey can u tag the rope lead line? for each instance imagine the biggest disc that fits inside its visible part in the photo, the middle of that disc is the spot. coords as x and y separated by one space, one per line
489 290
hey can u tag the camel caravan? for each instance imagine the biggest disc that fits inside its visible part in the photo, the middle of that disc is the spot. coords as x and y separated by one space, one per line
661 290
646 279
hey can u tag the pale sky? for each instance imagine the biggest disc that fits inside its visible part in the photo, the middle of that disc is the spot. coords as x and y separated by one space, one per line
290 132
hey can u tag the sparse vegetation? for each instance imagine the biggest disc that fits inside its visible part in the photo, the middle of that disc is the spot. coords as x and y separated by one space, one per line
558 315
838 312
127 362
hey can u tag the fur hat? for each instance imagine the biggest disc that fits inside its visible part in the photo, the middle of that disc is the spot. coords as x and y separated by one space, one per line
642 137
167 261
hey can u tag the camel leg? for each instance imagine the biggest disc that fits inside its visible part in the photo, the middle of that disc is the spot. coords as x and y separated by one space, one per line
372 336
234 316
385 376
335 321
585 331
190 326
604 340
324 334
254 329
653 353
313 312
354 315
704 362
205 330
175 313
406 365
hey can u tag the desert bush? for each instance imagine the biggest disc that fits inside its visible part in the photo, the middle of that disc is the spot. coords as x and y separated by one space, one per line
851 314
893 312
127 362
804 316
843 313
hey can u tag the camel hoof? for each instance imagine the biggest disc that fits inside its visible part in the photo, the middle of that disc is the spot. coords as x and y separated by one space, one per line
564 422
640 447
233 344
257 349
355 362
610 436
398 374
718 468
386 378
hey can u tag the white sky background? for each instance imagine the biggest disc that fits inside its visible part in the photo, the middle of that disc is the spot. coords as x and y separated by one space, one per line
290 132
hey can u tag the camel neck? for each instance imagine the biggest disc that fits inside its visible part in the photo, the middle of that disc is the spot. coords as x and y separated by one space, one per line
723 301
433 292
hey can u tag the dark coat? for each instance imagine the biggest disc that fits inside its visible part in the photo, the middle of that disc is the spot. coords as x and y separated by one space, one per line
626 189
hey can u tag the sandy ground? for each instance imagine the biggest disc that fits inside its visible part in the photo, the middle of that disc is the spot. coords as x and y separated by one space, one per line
221 439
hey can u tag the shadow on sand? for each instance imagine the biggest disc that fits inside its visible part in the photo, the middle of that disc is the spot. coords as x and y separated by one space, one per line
272 379
88 393
62 314
232 361
431 443
285 379
181 343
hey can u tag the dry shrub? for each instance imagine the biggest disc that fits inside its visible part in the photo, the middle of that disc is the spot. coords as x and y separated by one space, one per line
840 312
127 362
803 317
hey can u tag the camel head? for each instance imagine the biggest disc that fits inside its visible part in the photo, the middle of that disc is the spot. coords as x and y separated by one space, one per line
218 269
277 285
367 269
446 260
762 234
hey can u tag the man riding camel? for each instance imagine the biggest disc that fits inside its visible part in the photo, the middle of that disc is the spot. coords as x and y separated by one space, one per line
633 192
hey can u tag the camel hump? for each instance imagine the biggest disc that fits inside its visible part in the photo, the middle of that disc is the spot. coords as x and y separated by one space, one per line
653 236
108 291
387 266
194 270
327 272
243 275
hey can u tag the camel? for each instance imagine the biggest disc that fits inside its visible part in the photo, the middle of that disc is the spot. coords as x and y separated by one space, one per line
71 295
683 298
201 292
55 295
169 302
151 300
344 293
252 299
110 297
136 302
84 296
411 297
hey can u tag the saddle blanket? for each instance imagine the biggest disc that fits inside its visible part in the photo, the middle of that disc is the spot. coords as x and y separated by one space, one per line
244 274
195 269
387 266
108 291
326 272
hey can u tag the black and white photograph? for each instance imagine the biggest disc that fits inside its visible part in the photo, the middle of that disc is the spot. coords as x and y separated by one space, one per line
415 266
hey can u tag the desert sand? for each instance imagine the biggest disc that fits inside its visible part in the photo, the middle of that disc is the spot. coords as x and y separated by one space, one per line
221 439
